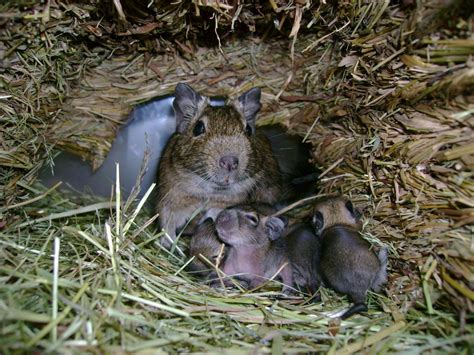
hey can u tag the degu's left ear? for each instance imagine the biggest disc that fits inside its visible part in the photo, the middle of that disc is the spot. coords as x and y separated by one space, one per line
274 226
249 105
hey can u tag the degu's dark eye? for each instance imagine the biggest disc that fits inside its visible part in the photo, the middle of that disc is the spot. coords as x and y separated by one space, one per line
318 221
248 130
199 128
252 218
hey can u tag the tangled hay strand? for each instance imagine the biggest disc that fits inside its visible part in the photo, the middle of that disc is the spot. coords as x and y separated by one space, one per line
195 20
383 92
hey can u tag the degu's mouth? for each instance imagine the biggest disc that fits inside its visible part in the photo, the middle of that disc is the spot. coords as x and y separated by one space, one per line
224 183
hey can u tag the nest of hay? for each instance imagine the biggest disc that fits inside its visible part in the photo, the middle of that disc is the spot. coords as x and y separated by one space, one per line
383 91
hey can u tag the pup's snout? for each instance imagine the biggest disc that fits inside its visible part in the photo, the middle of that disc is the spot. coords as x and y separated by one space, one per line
229 162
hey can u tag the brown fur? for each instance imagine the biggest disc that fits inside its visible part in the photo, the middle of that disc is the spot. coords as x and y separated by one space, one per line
189 174
255 252
335 212
348 265
205 244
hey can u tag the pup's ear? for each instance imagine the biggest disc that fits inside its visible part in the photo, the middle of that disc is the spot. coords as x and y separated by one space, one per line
249 105
187 104
318 222
274 227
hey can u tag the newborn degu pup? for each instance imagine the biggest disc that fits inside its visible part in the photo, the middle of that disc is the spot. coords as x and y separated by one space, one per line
255 251
206 248
348 265
304 251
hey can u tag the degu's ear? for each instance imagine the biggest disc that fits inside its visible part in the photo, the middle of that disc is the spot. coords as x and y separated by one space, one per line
352 210
249 104
318 222
274 226
187 104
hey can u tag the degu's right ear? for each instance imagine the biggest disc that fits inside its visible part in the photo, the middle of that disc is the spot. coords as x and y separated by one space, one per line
249 104
187 104
318 222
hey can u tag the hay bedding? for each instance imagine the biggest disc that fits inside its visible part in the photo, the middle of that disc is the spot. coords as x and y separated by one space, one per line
382 90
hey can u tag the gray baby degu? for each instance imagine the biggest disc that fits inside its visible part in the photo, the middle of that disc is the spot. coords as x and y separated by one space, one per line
347 264
256 253
215 159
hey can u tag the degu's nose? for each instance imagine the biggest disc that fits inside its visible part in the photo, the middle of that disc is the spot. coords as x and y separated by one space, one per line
229 162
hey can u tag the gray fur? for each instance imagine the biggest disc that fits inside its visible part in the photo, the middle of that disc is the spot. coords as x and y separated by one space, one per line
304 251
381 277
